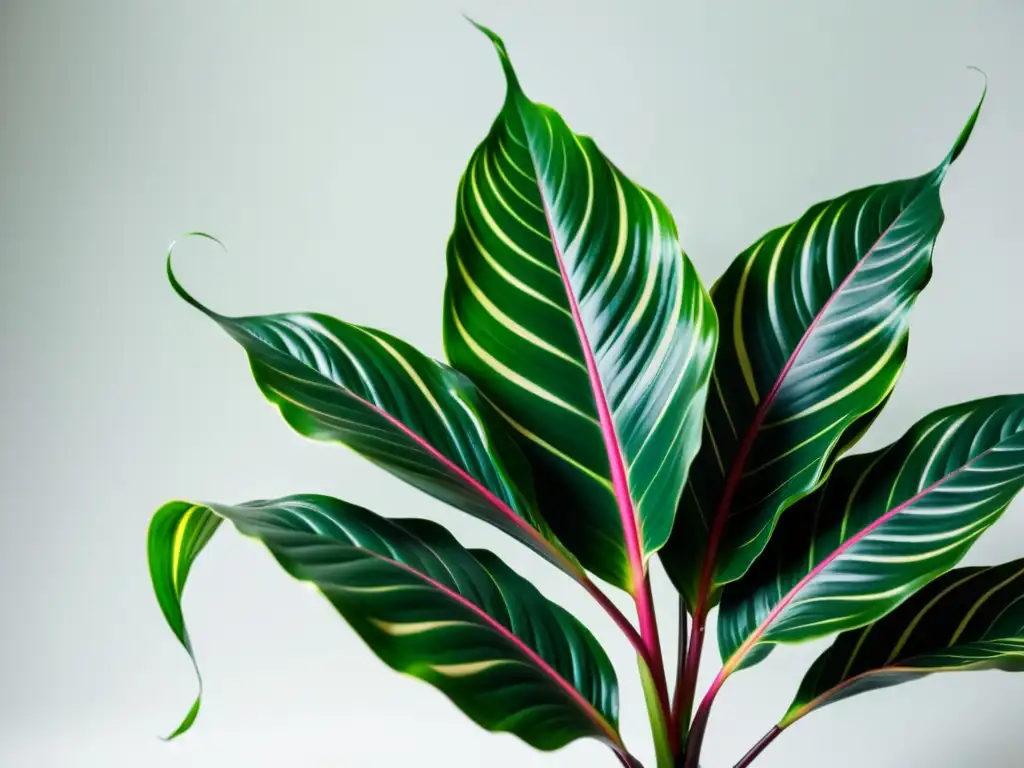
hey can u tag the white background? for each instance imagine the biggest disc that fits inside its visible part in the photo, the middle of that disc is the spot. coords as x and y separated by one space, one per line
323 141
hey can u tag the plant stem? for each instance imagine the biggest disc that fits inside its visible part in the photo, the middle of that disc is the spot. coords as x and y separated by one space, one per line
660 725
700 720
652 671
684 627
649 634
680 719
659 711
758 748
617 616
627 759
686 685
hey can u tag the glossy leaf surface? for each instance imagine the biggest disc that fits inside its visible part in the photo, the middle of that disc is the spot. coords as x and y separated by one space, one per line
415 417
968 619
572 306
882 526
814 323
459 619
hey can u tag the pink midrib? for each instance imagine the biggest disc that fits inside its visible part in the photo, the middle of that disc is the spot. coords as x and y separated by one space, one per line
620 481
818 701
569 566
522 647
737 657
639 586
471 481
743 454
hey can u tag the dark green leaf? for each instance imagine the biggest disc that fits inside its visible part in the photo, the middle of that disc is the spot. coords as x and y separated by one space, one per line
459 619
572 306
969 618
814 322
416 418
883 525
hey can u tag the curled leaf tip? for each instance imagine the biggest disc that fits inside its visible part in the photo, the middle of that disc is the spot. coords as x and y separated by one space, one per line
172 278
187 723
983 73
984 87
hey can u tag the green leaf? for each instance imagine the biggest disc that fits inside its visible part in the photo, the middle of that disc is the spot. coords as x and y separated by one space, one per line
882 526
415 417
814 323
969 618
570 303
459 619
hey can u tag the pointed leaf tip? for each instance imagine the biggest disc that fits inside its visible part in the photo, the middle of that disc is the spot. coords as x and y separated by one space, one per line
494 38
965 133
506 63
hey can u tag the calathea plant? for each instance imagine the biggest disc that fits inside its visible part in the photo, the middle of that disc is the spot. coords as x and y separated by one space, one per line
601 407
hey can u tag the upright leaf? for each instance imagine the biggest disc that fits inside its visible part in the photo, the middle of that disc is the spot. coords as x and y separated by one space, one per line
571 305
814 321
883 525
459 619
416 418
970 618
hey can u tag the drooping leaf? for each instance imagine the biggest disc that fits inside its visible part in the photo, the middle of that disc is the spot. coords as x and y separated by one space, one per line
415 417
968 619
570 303
459 619
883 525
814 322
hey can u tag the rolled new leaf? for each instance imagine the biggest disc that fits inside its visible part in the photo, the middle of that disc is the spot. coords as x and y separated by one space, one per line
570 303
459 619
882 526
814 324
968 619
419 419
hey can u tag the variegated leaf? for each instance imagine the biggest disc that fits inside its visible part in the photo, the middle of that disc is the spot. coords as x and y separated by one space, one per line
968 619
459 619
571 305
415 417
883 525
814 323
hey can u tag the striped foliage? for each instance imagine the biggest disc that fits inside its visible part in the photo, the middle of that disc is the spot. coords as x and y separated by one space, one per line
968 619
883 525
571 305
459 619
415 417
814 322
